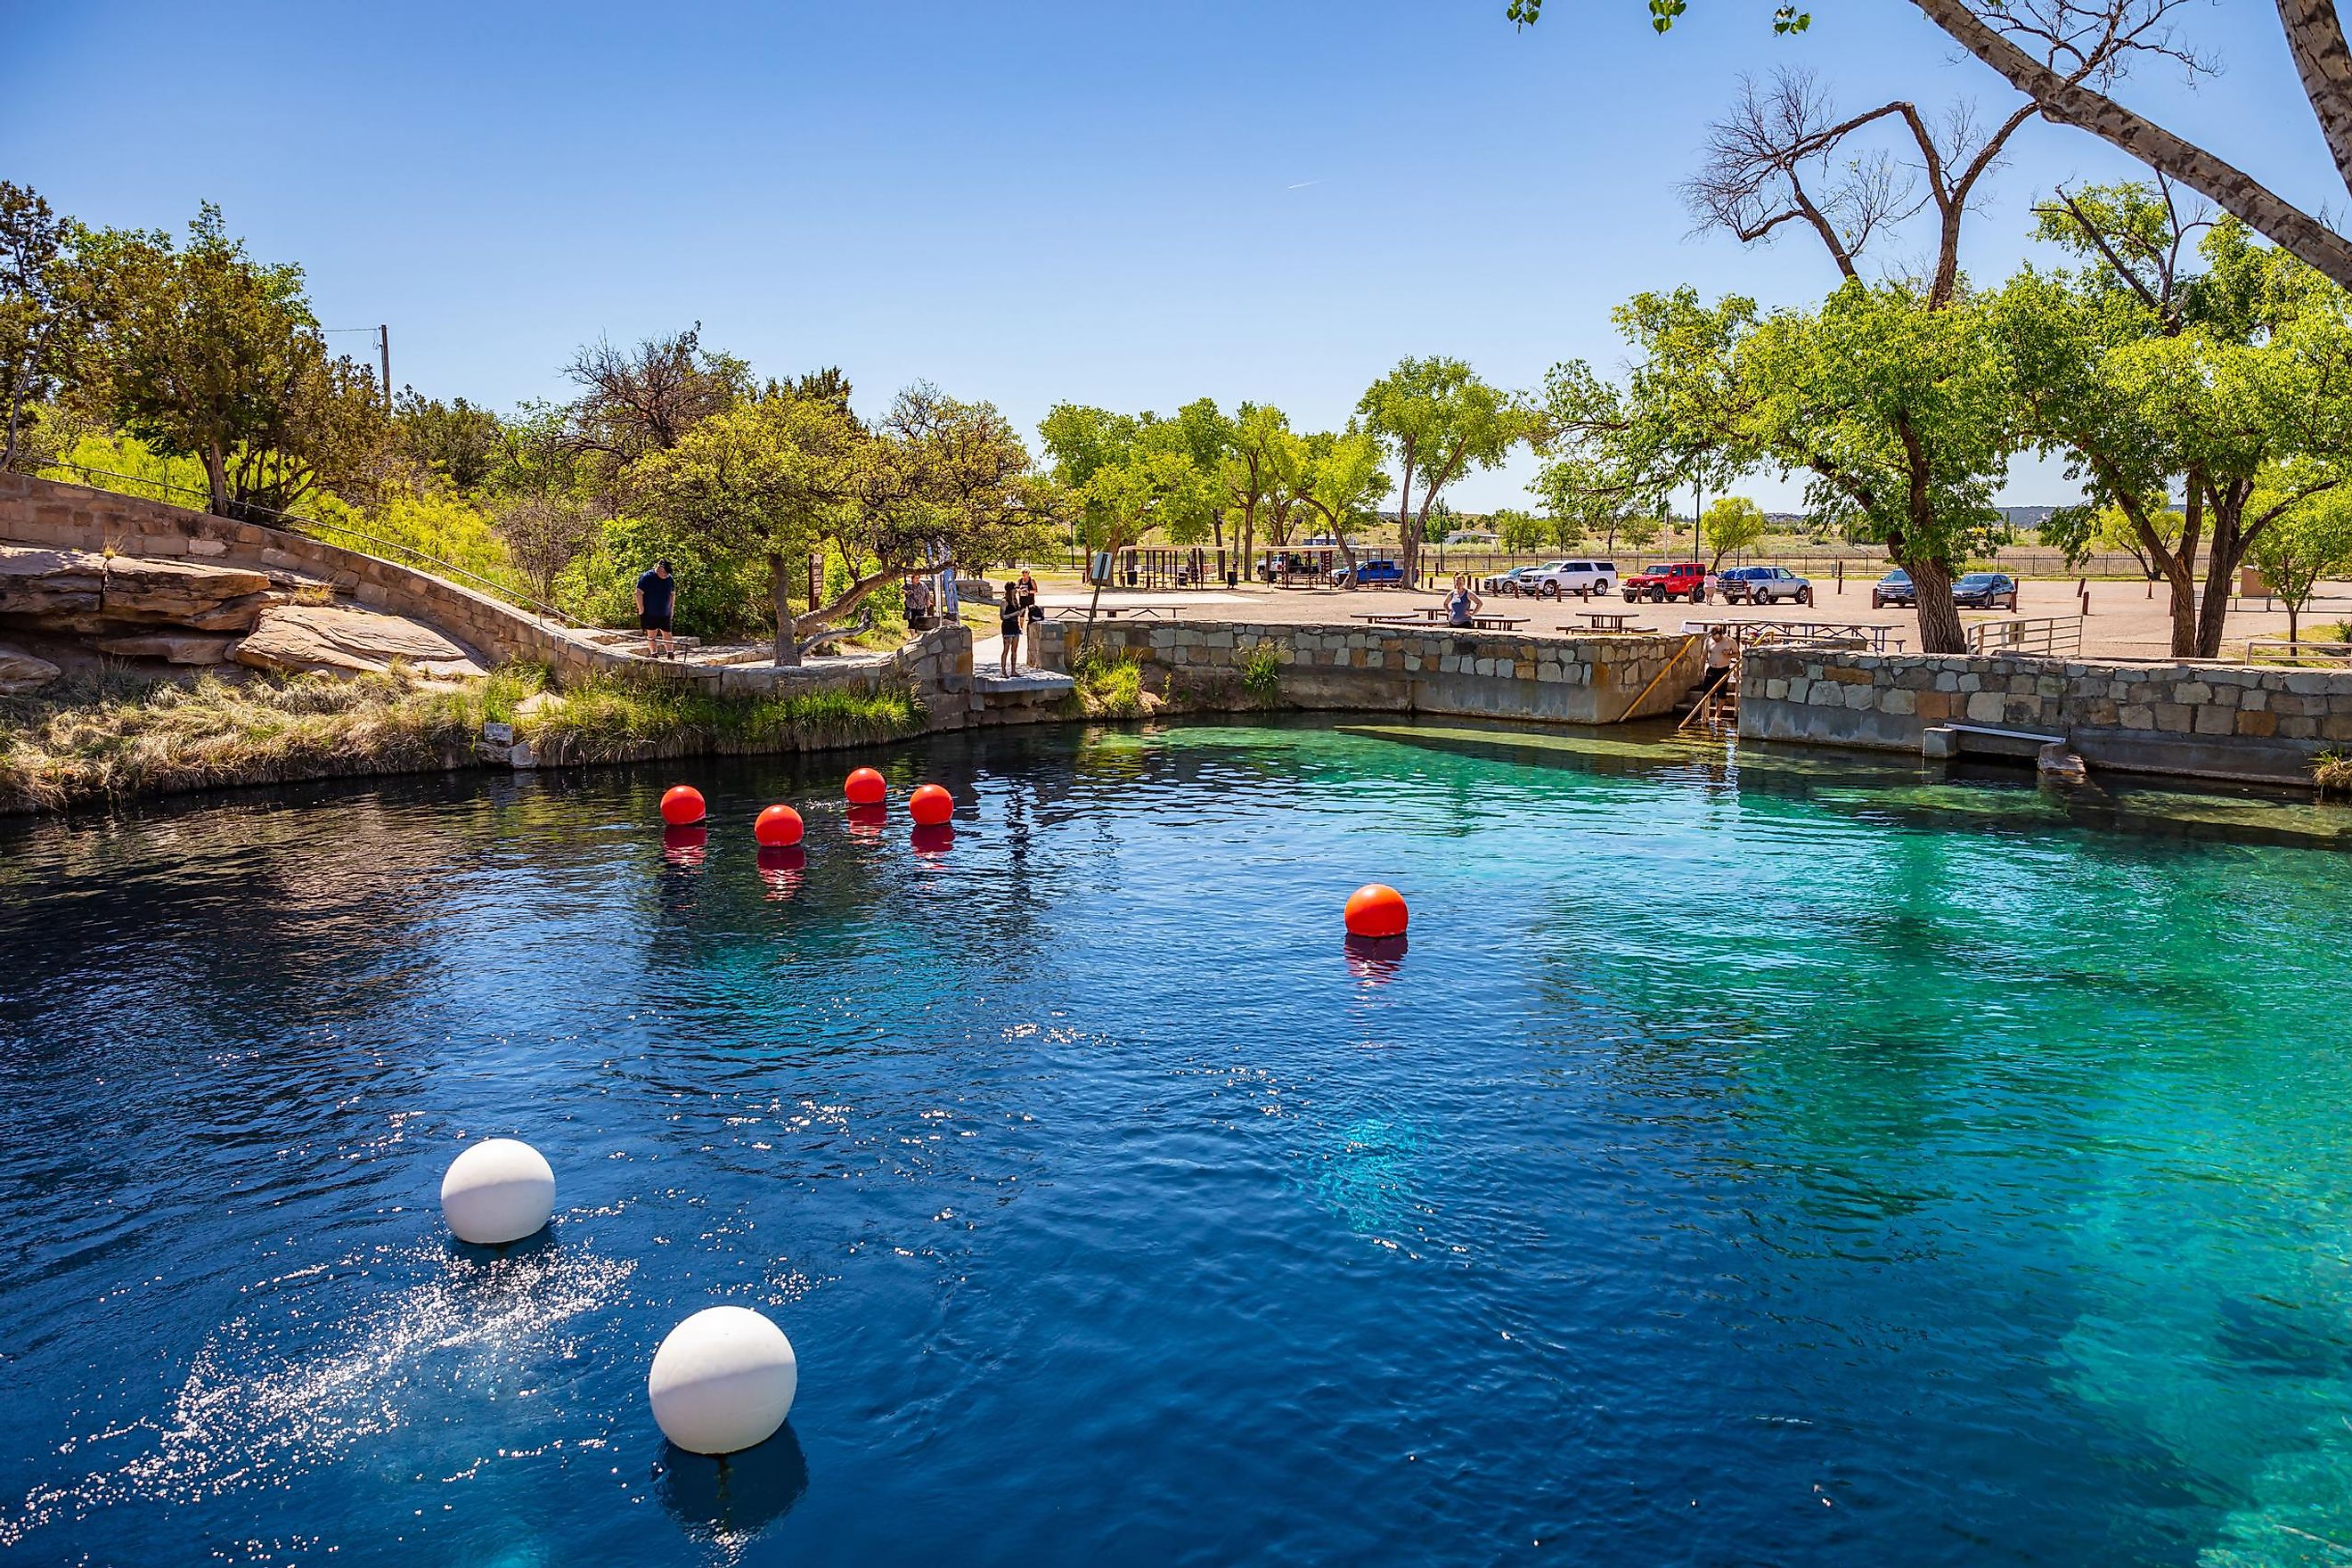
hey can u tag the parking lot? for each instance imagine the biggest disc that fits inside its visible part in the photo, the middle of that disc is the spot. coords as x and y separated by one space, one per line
2125 619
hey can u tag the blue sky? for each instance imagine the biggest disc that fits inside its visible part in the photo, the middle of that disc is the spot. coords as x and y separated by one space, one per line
1125 203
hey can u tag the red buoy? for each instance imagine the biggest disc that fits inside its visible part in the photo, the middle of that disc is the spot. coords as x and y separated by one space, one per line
931 805
1376 910
864 788
681 806
777 826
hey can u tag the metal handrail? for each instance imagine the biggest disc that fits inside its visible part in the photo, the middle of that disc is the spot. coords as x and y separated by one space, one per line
2056 635
442 568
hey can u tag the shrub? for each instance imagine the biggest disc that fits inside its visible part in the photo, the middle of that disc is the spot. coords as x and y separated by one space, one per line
721 597
1262 674
2332 771
1107 685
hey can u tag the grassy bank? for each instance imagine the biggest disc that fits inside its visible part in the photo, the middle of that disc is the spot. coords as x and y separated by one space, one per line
113 737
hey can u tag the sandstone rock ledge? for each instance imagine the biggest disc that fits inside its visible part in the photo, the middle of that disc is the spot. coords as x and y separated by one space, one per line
333 637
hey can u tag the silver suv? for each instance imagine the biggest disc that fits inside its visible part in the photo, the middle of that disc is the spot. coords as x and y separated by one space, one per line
1764 585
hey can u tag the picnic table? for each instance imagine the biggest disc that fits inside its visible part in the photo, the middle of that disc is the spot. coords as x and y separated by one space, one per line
1435 615
1112 612
1612 620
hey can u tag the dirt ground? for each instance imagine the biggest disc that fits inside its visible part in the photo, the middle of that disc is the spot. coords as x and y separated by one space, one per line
2126 620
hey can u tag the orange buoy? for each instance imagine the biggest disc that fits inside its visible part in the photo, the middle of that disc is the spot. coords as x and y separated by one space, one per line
681 806
931 805
864 788
777 826
1376 910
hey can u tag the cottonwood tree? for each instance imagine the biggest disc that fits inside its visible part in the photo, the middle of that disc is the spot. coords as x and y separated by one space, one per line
1730 523
1343 483
1438 421
32 309
2309 544
202 352
2068 57
1253 470
2224 380
1131 474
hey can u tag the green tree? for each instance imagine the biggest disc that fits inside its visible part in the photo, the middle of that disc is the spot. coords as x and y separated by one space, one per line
1522 531
1128 475
1438 421
33 337
1731 522
756 480
2220 382
200 352
1343 483
636 402
2305 545
453 441
1253 470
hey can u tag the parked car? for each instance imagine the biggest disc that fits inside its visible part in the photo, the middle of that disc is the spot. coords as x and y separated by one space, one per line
1676 579
1367 571
1985 591
1512 583
1894 588
1764 585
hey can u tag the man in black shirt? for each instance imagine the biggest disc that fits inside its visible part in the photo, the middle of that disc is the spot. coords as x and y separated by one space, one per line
657 590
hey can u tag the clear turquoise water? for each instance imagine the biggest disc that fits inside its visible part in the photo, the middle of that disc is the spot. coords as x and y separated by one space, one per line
1769 1159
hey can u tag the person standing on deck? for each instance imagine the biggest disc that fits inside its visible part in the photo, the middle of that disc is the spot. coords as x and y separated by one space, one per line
1011 616
657 591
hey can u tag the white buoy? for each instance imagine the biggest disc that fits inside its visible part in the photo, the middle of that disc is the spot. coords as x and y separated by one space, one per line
723 1381
497 1191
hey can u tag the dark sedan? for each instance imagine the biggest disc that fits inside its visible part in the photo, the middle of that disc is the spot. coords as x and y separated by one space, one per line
1985 591
1894 588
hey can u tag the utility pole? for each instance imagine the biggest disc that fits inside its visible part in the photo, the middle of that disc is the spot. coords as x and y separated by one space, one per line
383 354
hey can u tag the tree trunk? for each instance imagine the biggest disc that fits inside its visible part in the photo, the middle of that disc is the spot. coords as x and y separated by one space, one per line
2270 214
788 640
217 478
1939 619
2316 39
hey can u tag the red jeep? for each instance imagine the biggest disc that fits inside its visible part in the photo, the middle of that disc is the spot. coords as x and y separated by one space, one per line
1681 579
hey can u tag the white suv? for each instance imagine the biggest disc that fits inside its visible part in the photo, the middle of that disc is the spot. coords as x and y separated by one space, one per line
1558 579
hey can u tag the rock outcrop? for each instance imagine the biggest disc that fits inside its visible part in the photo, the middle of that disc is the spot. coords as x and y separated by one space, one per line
21 672
332 637
174 593
41 584
171 647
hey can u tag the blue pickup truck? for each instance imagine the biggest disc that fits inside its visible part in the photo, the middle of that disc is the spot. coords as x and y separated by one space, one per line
1370 570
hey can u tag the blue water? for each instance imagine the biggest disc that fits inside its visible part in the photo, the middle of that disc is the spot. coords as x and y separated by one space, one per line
1772 1159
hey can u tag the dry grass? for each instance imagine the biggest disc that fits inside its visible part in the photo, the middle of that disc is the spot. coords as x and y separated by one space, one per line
2332 771
114 735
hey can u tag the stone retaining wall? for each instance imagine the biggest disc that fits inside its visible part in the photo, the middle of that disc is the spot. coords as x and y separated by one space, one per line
936 666
2197 719
1411 669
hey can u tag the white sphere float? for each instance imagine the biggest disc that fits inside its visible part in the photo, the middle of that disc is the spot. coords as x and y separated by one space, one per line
723 1381
497 1191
